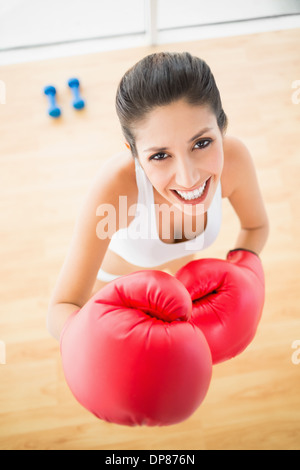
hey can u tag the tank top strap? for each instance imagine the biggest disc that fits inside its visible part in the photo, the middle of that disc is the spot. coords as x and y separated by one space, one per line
145 190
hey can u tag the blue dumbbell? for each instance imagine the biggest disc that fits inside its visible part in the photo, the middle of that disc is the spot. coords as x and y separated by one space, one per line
78 102
54 110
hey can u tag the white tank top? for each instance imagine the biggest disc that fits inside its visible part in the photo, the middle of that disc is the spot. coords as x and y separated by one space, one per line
139 243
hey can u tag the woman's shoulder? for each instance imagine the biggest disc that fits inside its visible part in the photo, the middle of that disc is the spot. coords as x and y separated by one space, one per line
116 177
237 159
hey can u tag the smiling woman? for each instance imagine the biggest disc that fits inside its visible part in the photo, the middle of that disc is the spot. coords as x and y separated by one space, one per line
174 125
142 341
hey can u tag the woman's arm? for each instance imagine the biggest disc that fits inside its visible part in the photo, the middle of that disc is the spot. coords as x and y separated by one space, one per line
87 249
243 192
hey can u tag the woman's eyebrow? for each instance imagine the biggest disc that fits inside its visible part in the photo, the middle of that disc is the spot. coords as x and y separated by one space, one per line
156 149
200 133
164 149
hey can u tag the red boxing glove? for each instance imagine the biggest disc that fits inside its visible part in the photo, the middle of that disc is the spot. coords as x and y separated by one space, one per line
130 356
228 298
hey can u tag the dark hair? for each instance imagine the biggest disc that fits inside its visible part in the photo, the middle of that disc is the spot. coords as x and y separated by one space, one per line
160 79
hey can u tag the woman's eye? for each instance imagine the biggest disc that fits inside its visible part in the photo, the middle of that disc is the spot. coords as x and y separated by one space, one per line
202 143
159 156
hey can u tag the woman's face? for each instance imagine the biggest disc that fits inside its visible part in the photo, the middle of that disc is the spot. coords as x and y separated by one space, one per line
180 148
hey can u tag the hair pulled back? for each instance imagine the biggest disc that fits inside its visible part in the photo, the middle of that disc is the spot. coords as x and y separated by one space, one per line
160 79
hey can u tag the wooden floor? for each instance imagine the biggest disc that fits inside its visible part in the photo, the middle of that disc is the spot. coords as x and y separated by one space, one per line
45 170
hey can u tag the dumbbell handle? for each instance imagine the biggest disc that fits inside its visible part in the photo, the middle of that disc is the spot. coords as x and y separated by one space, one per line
52 101
76 93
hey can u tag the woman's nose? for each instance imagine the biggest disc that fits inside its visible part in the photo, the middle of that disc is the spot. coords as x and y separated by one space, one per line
186 174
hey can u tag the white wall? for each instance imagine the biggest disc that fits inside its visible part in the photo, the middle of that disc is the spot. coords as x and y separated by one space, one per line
38 22
37 29
200 12
30 22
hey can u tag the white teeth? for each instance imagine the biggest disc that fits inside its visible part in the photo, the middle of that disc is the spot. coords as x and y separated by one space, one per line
188 195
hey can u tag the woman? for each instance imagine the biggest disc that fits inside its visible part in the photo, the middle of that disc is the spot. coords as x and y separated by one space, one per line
158 204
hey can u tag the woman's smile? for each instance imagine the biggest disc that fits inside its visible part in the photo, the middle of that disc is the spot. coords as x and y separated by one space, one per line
193 196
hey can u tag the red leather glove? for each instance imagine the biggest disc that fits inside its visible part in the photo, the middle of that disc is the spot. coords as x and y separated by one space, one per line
228 298
130 355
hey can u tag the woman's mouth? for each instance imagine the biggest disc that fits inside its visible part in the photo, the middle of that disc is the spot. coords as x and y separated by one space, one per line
193 197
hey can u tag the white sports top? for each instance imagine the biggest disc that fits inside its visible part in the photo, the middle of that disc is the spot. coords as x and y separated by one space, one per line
139 243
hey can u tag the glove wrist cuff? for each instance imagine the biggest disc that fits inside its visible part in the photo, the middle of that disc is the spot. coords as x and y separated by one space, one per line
241 249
